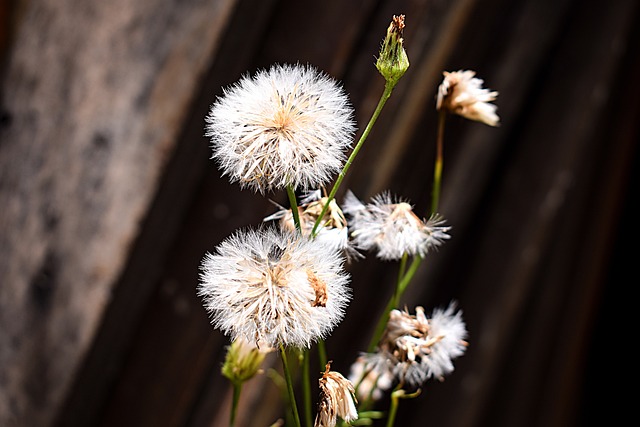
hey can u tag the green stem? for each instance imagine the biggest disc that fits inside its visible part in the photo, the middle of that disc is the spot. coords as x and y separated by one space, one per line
401 286
322 355
396 395
437 170
388 88
287 376
393 410
294 207
237 388
306 387
401 272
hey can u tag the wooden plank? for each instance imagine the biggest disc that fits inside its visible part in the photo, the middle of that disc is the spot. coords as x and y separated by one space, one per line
94 95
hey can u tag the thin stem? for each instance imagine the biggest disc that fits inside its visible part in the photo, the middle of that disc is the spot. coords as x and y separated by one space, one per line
401 271
237 388
393 409
396 395
287 376
437 170
322 355
306 387
294 207
388 88
401 286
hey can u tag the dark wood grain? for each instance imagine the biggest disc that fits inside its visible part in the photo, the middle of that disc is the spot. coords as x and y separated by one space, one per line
108 200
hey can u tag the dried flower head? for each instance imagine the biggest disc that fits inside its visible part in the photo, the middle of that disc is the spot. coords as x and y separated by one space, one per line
287 126
393 61
461 93
416 348
337 399
272 287
392 228
332 230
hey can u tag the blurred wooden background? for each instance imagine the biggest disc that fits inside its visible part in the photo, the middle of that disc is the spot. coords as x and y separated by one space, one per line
108 201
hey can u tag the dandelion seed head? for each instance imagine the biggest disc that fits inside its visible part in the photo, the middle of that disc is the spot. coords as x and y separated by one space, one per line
272 287
391 228
418 348
287 126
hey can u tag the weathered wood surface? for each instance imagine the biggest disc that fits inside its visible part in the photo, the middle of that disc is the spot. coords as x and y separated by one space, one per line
93 97
108 201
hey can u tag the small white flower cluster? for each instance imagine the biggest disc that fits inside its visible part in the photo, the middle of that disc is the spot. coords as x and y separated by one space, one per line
412 350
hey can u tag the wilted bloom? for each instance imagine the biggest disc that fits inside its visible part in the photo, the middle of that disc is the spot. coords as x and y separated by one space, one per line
336 399
393 61
331 230
272 287
416 348
461 93
243 361
392 228
288 126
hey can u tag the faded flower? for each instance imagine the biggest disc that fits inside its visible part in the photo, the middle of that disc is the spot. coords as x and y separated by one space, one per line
336 399
416 348
331 230
287 126
392 228
461 93
272 287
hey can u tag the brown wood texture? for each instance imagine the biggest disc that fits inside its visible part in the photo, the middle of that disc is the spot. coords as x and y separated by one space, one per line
108 200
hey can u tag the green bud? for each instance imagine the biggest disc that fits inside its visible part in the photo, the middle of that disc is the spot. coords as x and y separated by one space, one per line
393 61
242 362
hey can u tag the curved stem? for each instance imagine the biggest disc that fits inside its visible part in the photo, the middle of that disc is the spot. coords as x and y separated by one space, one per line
388 88
393 409
287 376
396 395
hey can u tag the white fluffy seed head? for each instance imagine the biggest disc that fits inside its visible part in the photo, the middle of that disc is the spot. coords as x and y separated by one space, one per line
271 287
286 126
419 348
391 228
412 349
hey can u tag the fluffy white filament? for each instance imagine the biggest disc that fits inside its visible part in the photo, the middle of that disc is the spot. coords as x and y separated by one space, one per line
392 228
286 126
272 287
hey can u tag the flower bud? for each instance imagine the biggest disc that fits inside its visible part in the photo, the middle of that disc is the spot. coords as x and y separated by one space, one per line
393 61
242 362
